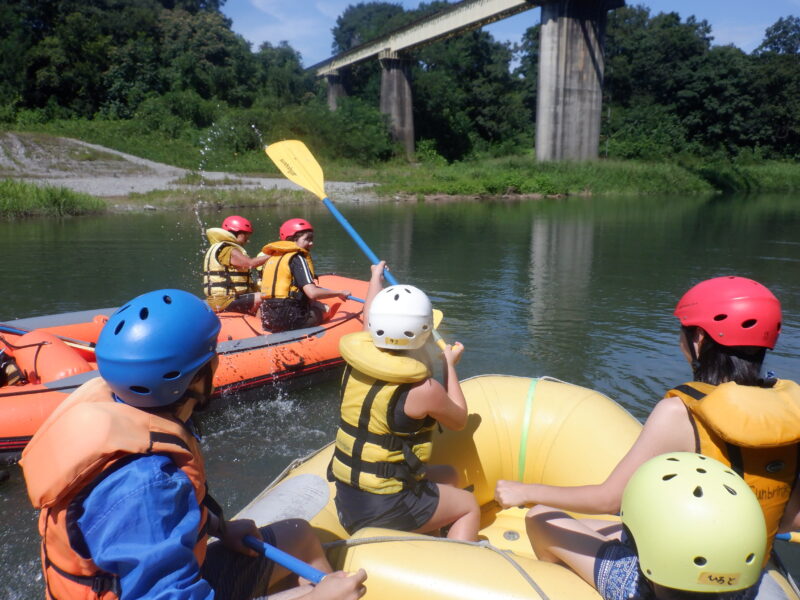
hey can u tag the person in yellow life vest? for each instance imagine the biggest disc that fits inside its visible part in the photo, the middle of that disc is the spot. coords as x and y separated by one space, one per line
691 529
288 283
390 407
226 268
119 478
730 411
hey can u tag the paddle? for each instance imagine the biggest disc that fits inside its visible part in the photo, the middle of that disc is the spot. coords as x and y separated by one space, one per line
297 163
299 497
295 565
67 340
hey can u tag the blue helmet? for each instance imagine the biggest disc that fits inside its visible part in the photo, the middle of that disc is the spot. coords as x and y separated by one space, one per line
152 347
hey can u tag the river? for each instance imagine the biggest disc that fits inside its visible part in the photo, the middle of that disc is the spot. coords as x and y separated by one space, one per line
581 289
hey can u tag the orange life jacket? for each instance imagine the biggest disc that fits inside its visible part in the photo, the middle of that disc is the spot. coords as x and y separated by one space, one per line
81 440
754 430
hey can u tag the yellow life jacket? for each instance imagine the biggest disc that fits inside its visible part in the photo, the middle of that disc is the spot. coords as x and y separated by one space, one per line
222 284
276 275
754 430
370 453
89 433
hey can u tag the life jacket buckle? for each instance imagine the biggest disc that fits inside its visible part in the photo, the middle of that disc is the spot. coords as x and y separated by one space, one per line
105 583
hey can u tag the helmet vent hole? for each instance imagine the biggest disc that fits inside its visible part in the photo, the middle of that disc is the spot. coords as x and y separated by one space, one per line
749 558
407 291
668 477
700 470
167 300
701 457
380 332
673 459
749 323
698 492
720 317
424 328
172 375
396 297
139 389
144 313
730 490
700 561
408 334
119 327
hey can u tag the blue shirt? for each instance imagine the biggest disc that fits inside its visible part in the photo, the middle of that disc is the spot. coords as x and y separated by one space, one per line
141 523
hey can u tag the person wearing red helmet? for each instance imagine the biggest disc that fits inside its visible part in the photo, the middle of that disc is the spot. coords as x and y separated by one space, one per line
288 284
226 268
730 411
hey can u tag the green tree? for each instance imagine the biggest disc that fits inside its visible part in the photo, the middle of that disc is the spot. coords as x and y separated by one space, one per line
782 37
280 77
199 52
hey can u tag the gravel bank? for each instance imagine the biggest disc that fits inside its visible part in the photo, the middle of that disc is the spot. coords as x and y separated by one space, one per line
110 174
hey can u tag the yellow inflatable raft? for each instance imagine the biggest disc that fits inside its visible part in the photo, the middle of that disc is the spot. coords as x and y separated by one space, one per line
535 430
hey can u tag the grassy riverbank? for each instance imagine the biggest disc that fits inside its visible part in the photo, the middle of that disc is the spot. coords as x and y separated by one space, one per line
518 175
18 199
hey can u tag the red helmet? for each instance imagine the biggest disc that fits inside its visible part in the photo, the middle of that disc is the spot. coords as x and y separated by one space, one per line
734 311
294 226
235 224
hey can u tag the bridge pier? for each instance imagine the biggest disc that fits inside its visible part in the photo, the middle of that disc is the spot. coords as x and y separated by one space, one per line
336 89
396 100
571 67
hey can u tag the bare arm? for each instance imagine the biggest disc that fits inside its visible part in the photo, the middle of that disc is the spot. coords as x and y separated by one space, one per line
445 403
668 429
375 286
315 292
240 261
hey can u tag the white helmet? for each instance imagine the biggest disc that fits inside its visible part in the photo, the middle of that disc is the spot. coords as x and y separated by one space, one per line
400 318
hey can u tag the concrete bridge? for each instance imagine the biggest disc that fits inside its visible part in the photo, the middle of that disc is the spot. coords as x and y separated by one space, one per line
570 68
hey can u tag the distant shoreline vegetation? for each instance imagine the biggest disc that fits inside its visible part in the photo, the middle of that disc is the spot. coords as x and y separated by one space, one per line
516 176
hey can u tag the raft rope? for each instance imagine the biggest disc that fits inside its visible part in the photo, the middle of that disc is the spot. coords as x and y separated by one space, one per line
406 538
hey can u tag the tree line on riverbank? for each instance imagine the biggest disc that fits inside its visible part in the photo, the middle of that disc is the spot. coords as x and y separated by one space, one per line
169 80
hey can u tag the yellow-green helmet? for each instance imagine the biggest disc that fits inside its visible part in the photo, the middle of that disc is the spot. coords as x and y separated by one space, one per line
696 524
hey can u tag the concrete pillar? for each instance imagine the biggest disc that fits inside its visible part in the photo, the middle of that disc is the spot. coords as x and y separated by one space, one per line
571 78
336 89
396 98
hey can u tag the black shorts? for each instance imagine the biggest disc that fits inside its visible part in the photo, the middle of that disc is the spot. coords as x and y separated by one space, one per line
236 576
244 304
285 314
406 511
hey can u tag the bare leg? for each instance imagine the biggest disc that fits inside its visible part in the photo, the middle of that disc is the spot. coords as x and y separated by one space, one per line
557 537
297 538
458 507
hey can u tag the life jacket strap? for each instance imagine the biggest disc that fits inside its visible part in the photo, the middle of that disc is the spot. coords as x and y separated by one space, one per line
388 441
100 583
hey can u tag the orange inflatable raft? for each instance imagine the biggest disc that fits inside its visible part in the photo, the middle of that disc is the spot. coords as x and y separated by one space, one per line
54 355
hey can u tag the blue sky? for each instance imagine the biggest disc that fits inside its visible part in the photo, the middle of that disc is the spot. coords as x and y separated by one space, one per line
306 24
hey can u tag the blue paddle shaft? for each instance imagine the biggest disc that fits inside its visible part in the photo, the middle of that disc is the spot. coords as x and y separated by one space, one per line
373 258
277 555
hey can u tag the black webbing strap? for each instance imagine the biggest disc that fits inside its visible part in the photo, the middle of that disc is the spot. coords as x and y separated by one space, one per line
690 391
363 423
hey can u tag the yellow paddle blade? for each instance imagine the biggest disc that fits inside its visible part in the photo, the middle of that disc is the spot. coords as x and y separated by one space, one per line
297 163
437 317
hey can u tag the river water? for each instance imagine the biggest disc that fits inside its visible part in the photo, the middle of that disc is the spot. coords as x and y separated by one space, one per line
579 289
